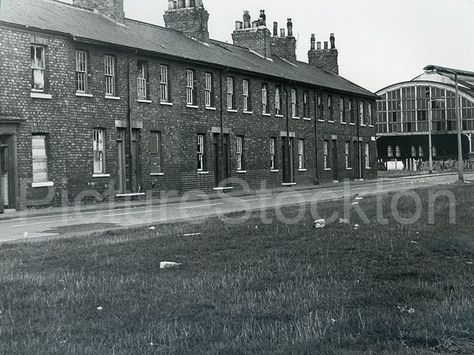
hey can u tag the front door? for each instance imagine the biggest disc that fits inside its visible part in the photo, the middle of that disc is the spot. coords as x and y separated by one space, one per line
121 173
221 157
5 173
135 157
288 160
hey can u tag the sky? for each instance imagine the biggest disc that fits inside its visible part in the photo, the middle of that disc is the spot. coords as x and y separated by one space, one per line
380 42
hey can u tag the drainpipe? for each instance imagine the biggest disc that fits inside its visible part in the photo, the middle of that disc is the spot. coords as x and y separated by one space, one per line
221 84
359 145
316 140
129 122
288 167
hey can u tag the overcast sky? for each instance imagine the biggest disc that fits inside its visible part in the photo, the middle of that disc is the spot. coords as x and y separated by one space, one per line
380 42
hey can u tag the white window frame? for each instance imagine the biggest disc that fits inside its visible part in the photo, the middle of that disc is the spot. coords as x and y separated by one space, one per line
341 110
208 90
306 110
142 81
109 72
319 100
230 93
246 94
164 84
301 157
82 71
265 105
347 152
239 152
39 158
367 155
99 151
361 114
200 152
190 87
38 68
278 100
272 153
326 155
294 103
155 136
330 109
370 115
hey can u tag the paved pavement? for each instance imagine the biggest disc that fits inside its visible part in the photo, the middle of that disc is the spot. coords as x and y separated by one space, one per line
70 222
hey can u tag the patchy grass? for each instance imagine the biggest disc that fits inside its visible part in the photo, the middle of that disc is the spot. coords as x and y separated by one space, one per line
249 288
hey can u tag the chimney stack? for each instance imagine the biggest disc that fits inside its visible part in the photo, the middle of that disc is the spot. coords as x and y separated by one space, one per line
285 45
189 17
326 58
109 8
254 36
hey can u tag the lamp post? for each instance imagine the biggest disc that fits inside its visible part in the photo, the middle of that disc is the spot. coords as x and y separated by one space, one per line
456 73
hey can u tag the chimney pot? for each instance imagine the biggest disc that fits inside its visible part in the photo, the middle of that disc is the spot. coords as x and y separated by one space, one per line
282 32
239 25
326 45
247 19
275 29
332 38
263 18
255 23
290 27
313 42
319 46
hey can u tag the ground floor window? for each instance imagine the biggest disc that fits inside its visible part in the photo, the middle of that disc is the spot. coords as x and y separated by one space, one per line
239 152
155 152
99 151
272 153
301 158
348 155
200 152
326 155
40 158
367 155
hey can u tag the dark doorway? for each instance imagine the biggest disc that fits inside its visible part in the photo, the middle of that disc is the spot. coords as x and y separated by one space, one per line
221 146
288 160
121 165
6 176
134 160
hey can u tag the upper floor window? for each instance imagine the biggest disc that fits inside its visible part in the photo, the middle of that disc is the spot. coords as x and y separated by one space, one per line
278 100
38 68
230 93
342 113
320 107
190 87
109 70
294 103
208 93
246 95
306 113
361 114
265 105
240 152
370 116
142 81
351 111
99 151
81 72
164 84
330 108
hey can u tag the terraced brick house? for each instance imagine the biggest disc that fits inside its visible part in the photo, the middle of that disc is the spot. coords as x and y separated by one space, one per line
92 100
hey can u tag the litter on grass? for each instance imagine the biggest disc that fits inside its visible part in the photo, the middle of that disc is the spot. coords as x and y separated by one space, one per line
320 223
169 265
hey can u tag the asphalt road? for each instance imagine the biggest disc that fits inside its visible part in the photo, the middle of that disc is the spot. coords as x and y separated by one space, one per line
70 223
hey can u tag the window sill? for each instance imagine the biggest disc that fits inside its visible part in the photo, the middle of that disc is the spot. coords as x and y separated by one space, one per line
279 116
266 114
223 188
41 95
192 106
295 118
362 125
157 174
302 170
289 184
83 94
248 112
203 172
241 171
233 111
211 108
112 97
344 123
320 120
327 169
331 121
371 125
352 124
164 103
306 118
101 175
42 184
274 170
366 168
348 168
142 101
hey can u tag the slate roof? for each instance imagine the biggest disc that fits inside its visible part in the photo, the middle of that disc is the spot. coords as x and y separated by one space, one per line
52 15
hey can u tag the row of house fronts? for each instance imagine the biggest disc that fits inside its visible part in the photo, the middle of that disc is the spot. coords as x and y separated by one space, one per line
91 100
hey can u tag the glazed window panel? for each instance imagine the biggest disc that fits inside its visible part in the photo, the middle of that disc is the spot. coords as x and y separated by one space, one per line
109 71
208 92
200 152
342 113
306 112
278 100
246 95
326 155
99 151
190 87
164 85
272 153
81 71
294 103
301 154
38 68
230 93
239 152
39 158
142 81
265 105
